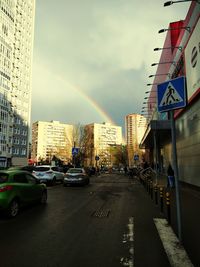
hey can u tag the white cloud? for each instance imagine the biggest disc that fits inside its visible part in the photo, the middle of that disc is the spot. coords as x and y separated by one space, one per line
103 47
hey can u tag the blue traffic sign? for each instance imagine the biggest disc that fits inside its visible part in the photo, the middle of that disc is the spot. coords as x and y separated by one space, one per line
75 150
171 94
97 157
136 157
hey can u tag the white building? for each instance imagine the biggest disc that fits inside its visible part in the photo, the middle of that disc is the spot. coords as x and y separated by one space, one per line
51 138
135 126
16 45
104 136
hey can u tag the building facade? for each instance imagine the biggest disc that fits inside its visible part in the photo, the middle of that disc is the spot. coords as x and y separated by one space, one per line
16 46
103 137
51 139
182 47
135 125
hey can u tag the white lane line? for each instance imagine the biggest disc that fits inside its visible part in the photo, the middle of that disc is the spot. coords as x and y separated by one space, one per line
176 253
128 238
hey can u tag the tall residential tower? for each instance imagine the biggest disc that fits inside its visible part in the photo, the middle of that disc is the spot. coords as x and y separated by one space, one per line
16 46
134 133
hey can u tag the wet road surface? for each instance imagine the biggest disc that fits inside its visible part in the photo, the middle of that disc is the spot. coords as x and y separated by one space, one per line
106 224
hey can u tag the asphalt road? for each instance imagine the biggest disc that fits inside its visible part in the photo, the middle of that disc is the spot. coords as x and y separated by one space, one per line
106 224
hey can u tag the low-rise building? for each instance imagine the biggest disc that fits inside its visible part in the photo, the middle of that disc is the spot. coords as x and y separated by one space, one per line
51 139
102 138
181 55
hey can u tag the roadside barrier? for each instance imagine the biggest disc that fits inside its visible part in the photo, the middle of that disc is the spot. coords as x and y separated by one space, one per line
161 199
151 189
149 186
168 207
160 194
156 194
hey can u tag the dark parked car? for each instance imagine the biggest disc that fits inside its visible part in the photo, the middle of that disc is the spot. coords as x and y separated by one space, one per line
19 188
76 176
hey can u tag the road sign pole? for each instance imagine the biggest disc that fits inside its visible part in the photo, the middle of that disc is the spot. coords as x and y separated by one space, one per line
74 159
175 166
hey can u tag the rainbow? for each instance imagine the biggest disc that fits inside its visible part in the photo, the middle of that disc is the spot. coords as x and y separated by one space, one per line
91 101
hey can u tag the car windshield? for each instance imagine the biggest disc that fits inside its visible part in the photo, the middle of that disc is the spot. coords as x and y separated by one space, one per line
75 171
42 169
3 178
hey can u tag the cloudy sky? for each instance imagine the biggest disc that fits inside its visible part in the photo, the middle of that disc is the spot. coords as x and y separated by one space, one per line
92 58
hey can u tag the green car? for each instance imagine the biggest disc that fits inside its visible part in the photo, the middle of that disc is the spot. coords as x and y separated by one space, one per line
19 188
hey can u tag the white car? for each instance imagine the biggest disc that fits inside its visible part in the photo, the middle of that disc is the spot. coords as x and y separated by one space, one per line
76 176
48 174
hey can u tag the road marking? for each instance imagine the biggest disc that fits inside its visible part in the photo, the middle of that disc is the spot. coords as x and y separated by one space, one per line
128 239
176 253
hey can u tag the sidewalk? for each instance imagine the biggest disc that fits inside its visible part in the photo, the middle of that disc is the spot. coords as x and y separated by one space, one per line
190 203
190 215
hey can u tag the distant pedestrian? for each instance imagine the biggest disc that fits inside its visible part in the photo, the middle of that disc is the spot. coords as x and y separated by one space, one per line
125 169
152 165
97 170
170 176
146 165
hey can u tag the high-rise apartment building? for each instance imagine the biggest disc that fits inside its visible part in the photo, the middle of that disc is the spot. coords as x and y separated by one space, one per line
134 127
51 139
102 138
16 45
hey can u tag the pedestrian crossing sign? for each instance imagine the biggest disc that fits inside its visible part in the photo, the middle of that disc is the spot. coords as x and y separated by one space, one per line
171 94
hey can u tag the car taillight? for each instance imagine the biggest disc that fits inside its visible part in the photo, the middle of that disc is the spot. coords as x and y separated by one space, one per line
5 188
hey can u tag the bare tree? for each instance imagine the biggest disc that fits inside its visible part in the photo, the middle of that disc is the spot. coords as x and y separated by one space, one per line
82 138
120 155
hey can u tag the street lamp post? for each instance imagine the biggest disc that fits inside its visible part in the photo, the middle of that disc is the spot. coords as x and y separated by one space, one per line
170 47
160 74
167 62
173 29
148 84
169 3
149 97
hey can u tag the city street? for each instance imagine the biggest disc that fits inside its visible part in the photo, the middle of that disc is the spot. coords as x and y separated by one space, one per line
75 110
106 224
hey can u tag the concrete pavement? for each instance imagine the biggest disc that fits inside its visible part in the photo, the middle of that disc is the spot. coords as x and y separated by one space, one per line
190 215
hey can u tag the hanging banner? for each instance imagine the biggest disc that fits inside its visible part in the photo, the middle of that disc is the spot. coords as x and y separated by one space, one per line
192 61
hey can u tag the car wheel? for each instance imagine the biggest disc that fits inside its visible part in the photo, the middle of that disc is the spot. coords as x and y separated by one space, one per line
43 199
13 209
53 181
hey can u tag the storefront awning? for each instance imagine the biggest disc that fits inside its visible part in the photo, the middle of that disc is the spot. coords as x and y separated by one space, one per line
162 130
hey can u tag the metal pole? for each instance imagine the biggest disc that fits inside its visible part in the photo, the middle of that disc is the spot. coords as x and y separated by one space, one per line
74 161
176 176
